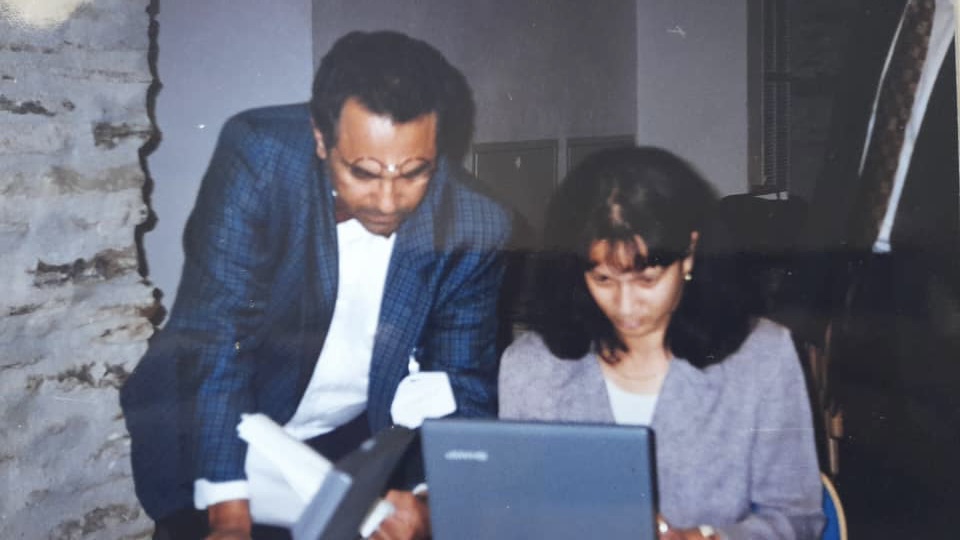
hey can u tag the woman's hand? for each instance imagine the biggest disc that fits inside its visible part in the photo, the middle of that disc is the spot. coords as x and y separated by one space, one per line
410 521
666 532
681 534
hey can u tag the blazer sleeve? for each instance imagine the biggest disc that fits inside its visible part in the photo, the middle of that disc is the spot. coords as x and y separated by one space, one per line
221 300
461 335
784 488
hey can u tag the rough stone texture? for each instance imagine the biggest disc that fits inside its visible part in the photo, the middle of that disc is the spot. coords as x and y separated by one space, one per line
74 313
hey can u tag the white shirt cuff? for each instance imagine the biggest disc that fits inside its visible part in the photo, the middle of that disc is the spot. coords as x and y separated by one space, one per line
207 493
882 245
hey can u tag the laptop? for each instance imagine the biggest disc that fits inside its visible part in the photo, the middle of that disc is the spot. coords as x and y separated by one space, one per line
493 479
351 487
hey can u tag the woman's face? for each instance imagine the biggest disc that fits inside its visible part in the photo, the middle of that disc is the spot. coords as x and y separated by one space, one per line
639 302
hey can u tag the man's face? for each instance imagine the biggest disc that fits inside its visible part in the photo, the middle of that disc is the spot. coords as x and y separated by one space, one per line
379 169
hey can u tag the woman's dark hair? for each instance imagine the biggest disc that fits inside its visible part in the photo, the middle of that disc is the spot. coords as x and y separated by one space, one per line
616 195
398 76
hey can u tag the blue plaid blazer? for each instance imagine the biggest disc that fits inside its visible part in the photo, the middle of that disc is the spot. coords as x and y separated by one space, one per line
258 291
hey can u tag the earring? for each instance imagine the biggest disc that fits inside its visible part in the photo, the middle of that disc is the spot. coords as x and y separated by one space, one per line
688 277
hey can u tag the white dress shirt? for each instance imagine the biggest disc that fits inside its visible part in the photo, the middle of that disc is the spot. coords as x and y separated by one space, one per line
337 391
941 35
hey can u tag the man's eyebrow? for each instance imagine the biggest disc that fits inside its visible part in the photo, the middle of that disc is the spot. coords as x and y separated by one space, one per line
356 168
421 168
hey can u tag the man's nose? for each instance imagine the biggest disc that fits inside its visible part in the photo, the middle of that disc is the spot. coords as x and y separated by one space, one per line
386 196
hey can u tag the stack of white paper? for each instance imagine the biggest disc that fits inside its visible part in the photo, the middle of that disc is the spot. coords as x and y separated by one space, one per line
283 472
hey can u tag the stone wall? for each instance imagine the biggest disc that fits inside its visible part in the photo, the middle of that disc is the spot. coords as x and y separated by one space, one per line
74 310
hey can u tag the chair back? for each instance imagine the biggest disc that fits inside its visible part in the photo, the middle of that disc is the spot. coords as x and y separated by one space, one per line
836 527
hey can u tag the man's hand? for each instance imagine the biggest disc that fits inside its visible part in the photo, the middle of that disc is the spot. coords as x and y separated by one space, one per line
230 520
410 521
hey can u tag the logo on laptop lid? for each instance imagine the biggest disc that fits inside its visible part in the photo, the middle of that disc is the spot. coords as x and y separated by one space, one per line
466 455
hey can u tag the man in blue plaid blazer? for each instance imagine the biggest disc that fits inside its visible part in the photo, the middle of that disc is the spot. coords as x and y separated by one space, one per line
260 277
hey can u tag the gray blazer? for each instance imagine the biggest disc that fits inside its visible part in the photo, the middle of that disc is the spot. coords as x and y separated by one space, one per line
735 441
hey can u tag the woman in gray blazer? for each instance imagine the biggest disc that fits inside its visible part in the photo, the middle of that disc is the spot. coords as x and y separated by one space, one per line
633 322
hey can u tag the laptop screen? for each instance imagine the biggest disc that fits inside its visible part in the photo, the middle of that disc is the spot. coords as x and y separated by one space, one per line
494 479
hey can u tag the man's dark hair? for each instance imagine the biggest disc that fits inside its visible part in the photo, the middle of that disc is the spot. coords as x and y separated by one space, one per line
615 195
398 76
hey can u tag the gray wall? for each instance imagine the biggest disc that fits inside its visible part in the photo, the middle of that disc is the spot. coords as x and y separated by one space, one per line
692 84
539 69
216 58
672 72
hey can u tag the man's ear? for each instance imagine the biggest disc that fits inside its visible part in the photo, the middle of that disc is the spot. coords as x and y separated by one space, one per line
321 147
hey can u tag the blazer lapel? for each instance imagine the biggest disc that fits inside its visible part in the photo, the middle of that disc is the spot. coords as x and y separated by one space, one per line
686 399
319 295
585 392
407 298
327 254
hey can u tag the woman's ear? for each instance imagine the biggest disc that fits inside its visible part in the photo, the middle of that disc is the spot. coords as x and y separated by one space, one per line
688 260
318 136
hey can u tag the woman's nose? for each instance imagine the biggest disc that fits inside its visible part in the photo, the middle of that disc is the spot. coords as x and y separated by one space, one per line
626 299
